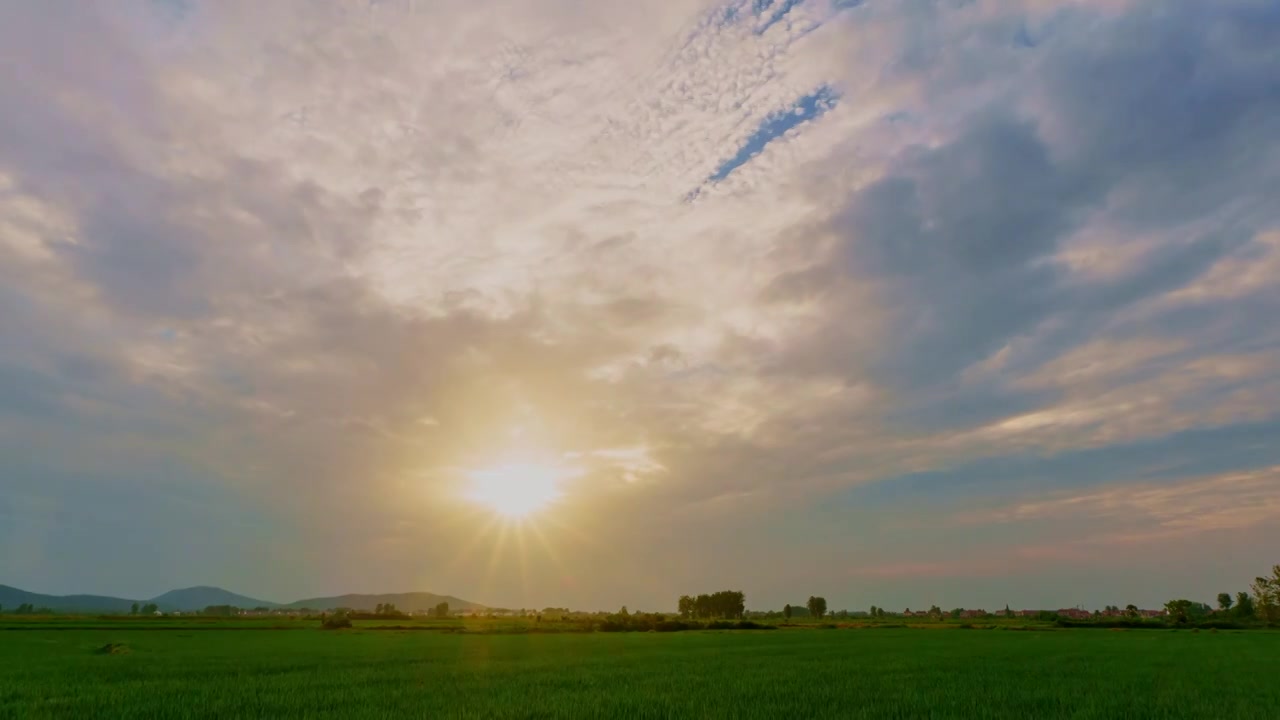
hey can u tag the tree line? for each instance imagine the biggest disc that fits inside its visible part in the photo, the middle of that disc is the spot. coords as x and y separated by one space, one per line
717 605
815 607
1263 604
29 609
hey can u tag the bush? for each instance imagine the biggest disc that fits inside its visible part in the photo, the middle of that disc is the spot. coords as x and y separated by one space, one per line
1131 624
337 621
659 623
1220 625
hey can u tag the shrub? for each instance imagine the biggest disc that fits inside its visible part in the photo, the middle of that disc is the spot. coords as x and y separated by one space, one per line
337 621
658 623
1221 625
385 615
1132 624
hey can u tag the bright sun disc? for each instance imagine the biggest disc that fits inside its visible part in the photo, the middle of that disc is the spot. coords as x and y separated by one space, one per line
516 489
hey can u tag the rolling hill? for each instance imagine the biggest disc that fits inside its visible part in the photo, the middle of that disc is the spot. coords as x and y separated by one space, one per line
200 597
12 597
405 602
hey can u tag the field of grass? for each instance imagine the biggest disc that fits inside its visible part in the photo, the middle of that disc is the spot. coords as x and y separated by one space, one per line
789 673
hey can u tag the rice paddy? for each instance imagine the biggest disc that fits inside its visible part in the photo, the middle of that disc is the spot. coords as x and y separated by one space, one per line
132 671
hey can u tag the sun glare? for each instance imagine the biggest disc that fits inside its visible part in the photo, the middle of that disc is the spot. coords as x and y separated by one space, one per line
517 490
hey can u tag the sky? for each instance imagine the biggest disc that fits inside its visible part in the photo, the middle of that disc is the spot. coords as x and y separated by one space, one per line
901 303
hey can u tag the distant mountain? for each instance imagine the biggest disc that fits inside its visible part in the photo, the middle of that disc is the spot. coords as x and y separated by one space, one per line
12 597
405 602
201 597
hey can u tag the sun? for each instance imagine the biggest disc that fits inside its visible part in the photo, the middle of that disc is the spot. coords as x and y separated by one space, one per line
517 490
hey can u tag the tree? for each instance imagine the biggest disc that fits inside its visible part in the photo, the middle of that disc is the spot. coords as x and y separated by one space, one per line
134 609
1178 612
722 604
817 606
733 603
873 611
442 609
1266 597
685 606
150 609
29 609
786 611
1244 606
956 613
1007 611
1131 611
935 612
1225 601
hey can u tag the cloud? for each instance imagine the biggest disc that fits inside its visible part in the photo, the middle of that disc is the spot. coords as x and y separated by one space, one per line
312 261
1149 513
964 253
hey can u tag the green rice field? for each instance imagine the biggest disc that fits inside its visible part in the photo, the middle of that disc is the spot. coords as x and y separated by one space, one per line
245 671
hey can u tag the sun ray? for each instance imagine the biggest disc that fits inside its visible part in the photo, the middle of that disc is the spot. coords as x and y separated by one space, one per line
517 489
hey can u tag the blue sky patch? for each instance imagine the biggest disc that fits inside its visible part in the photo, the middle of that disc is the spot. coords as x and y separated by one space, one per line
806 108
780 11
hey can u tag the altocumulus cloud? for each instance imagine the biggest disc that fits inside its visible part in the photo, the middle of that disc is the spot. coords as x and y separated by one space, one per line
273 276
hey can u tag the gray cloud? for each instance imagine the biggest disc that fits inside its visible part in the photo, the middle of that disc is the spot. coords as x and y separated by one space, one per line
1149 126
304 277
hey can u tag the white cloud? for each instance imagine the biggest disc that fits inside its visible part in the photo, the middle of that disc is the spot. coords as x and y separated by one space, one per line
307 247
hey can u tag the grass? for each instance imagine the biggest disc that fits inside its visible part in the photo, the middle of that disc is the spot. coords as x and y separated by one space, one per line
791 673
